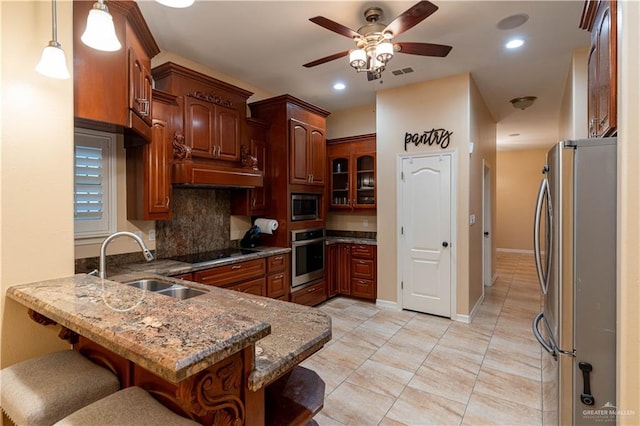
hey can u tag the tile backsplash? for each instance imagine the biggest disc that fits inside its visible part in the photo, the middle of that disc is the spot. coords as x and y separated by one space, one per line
201 222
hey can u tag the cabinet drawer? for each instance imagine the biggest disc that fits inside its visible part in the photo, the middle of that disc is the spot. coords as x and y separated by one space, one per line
362 268
363 251
363 288
225 275
312 295
277 284
256 287
277 263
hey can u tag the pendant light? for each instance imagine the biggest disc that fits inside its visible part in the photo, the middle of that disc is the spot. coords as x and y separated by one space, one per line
176 3
53 62
100 33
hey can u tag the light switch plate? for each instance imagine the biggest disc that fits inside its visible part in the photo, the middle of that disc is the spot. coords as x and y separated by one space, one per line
472 219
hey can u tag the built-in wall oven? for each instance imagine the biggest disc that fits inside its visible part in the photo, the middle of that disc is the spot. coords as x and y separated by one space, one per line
307 255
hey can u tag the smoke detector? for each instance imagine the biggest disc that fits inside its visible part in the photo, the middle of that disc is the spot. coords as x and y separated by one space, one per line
523 102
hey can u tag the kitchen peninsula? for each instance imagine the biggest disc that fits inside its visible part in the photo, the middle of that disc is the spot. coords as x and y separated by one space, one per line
209 357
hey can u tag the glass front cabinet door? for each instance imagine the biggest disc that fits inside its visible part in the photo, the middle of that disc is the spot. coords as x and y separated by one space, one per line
340 194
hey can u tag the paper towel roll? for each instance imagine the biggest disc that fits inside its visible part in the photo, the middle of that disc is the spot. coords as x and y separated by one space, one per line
267 226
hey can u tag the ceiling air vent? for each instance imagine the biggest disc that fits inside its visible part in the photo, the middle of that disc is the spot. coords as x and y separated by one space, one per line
402 71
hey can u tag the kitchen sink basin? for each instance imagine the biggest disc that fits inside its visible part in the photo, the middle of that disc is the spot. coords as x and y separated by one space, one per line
166 288
150 284
181 293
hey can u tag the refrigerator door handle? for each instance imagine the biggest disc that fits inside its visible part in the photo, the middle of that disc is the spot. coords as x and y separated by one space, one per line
543 274
536 332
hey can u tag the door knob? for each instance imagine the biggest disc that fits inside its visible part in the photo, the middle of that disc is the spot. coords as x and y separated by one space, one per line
486 234
445 244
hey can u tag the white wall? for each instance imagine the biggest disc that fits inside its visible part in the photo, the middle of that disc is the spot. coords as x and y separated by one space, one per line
440 103
36 179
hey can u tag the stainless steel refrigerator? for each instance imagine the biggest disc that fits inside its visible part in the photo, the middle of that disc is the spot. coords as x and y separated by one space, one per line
575 252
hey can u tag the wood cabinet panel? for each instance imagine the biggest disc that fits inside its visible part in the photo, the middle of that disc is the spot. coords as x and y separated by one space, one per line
362 268
199 125
278 263
344 273
256 286
228 133
187 277
363 288
223 276
312 295
363 251
253 202
149 190
277 285
600 17
332 254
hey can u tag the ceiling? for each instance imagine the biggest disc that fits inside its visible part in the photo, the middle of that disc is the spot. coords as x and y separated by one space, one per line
265 43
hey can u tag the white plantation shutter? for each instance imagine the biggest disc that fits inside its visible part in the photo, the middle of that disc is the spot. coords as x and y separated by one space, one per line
94 183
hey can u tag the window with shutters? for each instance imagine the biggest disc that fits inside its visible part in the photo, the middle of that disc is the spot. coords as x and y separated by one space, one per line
94 184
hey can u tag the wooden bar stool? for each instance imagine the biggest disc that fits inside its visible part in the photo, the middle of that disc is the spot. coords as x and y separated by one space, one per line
132 406
43 390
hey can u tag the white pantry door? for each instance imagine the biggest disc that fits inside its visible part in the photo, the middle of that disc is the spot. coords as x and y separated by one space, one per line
425 243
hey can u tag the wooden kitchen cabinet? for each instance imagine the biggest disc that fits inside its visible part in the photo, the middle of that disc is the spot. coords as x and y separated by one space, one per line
352 270
600 18
256 286
213 114
308 153
115 87
352 173
332 256
311 295
225 276
187 277
278 276
253 202
149 190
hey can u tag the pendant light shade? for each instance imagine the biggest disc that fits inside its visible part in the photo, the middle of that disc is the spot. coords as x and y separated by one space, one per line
100 33
53 62
176 3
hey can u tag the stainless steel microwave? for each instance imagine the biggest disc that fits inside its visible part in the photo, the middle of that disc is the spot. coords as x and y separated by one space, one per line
305 207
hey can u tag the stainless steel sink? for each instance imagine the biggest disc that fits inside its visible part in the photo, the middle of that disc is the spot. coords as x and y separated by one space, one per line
150 284
166 288
181 293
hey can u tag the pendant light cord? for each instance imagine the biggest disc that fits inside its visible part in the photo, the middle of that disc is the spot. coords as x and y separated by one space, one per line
54 15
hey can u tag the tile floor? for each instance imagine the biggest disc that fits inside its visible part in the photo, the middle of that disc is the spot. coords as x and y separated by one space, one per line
386 367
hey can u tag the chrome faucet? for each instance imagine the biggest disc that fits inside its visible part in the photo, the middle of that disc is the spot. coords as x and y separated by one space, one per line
103 250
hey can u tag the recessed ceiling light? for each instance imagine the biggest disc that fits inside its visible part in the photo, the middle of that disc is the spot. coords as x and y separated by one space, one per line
339 86
515 43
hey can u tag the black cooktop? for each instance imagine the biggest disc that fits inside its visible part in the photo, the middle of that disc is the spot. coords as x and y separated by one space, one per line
209 256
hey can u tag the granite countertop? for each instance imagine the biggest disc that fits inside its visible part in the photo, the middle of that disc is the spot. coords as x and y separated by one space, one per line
168 267
350 240
178 338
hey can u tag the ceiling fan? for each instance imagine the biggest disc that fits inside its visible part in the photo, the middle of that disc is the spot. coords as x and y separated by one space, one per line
374 45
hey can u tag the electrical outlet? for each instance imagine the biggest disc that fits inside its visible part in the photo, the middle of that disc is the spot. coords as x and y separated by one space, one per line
152 234
365 223
472 219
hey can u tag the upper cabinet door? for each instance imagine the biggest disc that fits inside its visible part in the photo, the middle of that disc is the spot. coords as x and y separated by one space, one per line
228 134
365 181
317 156
299 135
199 128
139 87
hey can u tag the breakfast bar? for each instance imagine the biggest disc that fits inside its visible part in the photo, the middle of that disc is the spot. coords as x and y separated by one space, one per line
209 358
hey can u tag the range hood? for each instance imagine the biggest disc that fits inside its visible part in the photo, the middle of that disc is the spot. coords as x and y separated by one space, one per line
206 174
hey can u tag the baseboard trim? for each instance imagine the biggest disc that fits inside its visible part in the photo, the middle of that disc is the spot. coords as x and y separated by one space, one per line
493 280
388 304
508 250
468 318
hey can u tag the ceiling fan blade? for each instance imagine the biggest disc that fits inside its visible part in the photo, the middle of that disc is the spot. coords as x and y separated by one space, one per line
424 49
412 17
326 59
334 26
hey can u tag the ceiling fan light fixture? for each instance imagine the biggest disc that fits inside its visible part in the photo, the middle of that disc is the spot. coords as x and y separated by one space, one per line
358 59
384 51
100 33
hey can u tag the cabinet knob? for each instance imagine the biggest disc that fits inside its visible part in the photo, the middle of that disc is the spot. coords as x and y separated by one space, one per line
279 277
236 266
278 258
362 262
311 290
168 201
